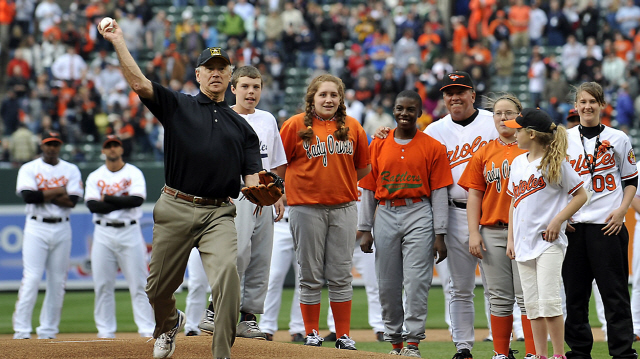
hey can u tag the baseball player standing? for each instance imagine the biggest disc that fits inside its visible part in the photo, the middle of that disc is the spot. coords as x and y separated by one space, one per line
598 248
197 294
486 178
409 178
537 239
50 187
463 131
114 194
635 267
255 228
327 153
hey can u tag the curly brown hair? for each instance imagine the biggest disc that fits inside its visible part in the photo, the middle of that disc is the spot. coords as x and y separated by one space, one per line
342 131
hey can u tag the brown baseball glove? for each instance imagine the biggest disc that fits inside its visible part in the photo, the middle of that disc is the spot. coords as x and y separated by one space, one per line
268 192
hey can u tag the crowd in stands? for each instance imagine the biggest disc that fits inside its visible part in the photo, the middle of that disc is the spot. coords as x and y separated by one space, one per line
59 74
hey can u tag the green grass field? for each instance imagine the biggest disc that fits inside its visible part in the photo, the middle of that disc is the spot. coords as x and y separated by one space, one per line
77 317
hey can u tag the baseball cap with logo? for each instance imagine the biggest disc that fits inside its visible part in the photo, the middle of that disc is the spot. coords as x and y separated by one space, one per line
532 118
573 115
51 137
458 78
210 53
111 138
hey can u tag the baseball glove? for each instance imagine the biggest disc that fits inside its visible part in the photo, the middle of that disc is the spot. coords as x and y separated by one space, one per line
268 192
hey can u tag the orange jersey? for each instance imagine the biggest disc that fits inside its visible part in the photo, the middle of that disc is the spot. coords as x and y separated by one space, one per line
324 170
488 171
407 171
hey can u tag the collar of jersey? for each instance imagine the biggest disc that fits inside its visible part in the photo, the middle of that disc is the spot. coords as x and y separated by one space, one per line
202 98
500 141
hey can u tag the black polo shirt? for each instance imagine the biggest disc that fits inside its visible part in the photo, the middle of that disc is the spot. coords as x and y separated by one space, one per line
207 145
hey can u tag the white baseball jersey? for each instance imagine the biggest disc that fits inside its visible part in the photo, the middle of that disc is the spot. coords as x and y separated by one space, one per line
38 175
529 189
462 142
637 195
614 165
129 181
271 148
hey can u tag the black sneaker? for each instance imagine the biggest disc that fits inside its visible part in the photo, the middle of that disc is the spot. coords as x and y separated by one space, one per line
297 338
192 333
344 342
268 337
463 354
511 353
313 339
331 337
380 336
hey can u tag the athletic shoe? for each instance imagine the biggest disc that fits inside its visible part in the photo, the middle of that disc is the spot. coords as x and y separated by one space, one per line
206 323
410 351
512 354
313 339
344 342
249 328
520 339
380 336
192 333
395 351
268 337
22 336
499 356
297 338
332 337
530 356
463 354
165 344
488 339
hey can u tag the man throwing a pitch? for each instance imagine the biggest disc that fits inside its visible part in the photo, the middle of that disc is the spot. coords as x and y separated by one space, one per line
208 147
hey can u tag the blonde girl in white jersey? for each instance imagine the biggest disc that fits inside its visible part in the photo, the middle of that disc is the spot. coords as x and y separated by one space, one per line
540 182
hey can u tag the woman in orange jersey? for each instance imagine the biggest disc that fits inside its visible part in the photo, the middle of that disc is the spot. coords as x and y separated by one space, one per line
408 182
486 178
327 154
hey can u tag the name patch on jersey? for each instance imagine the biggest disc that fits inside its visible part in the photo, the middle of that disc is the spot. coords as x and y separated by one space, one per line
497 174
603 162
111 189
331 147
399 181
45 184
527 188
462 154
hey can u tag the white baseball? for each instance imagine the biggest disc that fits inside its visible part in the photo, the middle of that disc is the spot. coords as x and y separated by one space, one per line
106 24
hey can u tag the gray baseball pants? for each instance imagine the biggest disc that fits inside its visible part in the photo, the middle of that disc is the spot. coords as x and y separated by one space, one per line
404 240
323 237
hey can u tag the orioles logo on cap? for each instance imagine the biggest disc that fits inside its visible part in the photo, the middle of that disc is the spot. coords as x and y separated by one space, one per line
215 51
54 134
454 77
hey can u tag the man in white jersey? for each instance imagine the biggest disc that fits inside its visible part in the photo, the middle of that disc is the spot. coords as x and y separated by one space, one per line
115 192
255 229
50 187
463 131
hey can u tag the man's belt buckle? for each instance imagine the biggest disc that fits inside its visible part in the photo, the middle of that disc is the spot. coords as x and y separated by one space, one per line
197 200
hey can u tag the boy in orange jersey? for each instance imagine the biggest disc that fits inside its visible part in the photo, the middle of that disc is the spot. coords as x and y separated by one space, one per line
408 181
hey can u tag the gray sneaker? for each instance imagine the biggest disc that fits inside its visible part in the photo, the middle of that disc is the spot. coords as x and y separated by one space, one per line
206 323
165 344
249 329
410 351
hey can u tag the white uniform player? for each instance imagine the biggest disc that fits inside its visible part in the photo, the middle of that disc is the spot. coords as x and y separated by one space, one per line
635 268
50 187
462 139
197 294
114 194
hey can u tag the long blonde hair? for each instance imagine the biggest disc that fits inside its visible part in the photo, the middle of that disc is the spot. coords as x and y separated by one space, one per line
556 145
341 133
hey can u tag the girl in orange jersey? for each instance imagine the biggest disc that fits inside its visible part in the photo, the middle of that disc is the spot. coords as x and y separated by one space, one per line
540 183
409 177
327 154
486 178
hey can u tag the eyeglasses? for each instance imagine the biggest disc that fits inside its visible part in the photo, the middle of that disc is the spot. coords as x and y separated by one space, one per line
509 114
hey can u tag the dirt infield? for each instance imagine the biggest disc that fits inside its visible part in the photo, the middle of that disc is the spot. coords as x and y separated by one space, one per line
130 345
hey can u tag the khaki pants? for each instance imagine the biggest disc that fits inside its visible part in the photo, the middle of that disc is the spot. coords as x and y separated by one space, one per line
179 226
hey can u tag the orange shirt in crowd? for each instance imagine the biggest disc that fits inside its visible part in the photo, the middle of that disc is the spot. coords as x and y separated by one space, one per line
460 40
622 47
519 17
407 171
488 172
7 12
500 22
636 46
324 170
426 39
485 55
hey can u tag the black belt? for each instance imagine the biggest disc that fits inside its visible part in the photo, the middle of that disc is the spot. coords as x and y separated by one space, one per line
116 224
50 219
195 199
458 204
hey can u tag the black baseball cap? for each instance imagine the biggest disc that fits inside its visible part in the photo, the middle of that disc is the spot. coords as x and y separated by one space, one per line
457 78
51 137
211 52
532 118
111 138
573 115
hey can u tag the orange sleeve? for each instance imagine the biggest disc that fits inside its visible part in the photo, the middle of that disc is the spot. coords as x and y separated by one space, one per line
472 177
